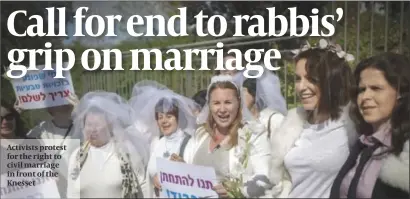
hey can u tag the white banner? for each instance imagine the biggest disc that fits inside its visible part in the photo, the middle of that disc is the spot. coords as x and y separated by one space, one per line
180 180
29 187
39 89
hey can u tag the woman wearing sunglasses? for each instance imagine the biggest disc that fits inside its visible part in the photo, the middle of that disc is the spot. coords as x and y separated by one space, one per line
12 126
12 129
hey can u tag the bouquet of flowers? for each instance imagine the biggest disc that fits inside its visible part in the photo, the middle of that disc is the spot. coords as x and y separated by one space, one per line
234 183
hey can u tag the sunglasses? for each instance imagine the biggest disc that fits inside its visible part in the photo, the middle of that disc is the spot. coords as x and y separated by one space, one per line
7 117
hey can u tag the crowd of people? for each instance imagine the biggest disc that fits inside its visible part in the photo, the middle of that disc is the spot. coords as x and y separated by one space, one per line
348 139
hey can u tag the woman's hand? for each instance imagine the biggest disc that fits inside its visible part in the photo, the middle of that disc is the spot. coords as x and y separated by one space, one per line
177 158
18 107
221 191
73 99
157 184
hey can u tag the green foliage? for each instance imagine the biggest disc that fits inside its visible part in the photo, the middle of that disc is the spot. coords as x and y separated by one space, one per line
365 40
7 94
9 42
369 42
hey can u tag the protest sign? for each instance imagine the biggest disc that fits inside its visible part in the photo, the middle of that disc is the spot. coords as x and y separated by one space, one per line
29 187
39 89
180 180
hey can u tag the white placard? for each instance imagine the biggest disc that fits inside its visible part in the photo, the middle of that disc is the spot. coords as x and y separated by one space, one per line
180 180
39 89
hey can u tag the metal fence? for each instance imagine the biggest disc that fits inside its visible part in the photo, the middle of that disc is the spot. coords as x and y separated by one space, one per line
367 28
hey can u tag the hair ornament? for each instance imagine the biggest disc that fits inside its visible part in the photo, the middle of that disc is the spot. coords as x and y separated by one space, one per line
221 78
326 45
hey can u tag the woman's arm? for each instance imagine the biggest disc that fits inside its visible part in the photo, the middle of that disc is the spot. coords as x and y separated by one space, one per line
275 122
189 151
260 159
152 164
193 144
144 182
281 142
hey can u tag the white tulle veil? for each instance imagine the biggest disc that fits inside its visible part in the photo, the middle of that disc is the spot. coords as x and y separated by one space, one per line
112 96
142 92
268 93
203 115
238 78
146 86
153 100
116 113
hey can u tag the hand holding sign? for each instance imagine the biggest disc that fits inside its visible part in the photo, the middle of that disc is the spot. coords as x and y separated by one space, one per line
73 99
157 184
18 107
177 158
180 180
39 89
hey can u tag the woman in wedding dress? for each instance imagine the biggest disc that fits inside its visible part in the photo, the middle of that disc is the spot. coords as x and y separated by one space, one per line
142 93
265 101
170 120
108 162
142 141
230 141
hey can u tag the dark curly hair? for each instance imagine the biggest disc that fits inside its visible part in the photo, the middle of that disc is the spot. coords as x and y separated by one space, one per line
396 69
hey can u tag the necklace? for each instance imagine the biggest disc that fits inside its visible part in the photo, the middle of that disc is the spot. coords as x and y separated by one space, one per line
166 153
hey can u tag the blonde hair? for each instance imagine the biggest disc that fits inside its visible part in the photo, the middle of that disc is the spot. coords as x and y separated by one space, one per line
236 124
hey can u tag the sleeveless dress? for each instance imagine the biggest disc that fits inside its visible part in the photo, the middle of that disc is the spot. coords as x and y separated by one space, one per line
218 159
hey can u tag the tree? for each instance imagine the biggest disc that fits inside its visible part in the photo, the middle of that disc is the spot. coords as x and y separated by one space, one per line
373 34
9 41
